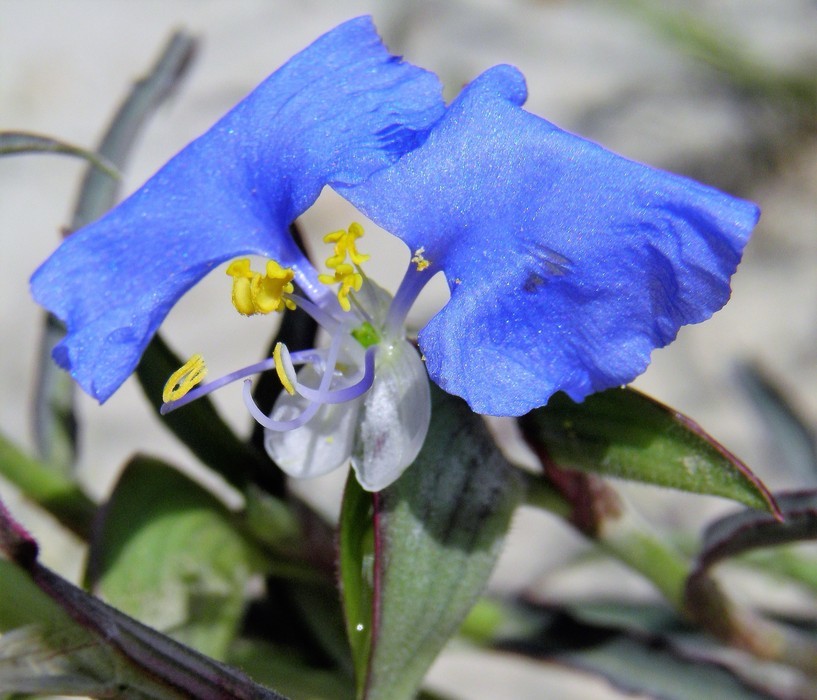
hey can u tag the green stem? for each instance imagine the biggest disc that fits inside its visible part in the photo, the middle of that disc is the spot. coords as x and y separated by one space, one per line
631 540
48 488
622 533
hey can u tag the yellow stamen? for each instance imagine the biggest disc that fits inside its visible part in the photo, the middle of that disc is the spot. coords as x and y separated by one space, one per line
254 293
242 275
283 365
347 274
419 259
345 245
184 378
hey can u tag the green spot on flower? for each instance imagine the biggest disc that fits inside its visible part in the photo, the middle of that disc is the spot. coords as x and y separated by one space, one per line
366 335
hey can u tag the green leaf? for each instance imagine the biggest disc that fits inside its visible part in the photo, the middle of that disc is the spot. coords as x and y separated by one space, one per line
289 673
48 488
650 669
22 603
653 656
415 556
625 434
707 603
168 553
356 550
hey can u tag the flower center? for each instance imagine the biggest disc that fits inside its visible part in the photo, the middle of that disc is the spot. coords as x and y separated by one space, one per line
345 368
367 355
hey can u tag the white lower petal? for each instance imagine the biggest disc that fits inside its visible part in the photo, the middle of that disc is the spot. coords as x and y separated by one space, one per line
321 445
395 418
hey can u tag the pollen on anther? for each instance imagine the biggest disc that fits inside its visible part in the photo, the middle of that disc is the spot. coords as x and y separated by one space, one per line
419 259
347 274
284 368
184 379
254 293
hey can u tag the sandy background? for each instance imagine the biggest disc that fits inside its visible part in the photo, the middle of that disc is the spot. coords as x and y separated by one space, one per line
591 67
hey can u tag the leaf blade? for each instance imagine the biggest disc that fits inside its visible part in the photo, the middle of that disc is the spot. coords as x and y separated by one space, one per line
625 434
436 534
167 553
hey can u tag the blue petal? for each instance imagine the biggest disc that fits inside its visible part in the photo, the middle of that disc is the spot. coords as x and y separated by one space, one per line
567 264
336 112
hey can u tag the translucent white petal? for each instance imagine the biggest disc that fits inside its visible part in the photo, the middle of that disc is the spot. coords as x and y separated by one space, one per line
320 446
395 417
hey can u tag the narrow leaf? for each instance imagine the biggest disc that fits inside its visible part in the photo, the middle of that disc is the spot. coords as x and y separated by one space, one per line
625 434
708 605
415 556
22 142
167 553
638 663
795 440
53 410
748 530
356 551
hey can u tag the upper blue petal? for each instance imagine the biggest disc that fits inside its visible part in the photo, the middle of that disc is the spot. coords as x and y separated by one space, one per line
567 264
335 113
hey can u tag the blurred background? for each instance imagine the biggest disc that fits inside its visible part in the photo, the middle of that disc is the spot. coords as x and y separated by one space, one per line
722 90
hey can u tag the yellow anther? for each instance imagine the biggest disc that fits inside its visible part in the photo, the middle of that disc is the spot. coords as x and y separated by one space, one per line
346 273
254 293
184 379
350 282
242 276
419 259
284 368
268 292
345 245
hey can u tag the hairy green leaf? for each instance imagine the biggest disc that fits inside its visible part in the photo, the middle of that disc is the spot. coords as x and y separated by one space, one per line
625 434
168 553
415 556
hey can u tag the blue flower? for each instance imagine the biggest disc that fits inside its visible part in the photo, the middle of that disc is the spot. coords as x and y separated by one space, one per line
334 114
567 264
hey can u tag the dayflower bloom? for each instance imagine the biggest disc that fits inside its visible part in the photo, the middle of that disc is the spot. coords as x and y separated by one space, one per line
567 264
